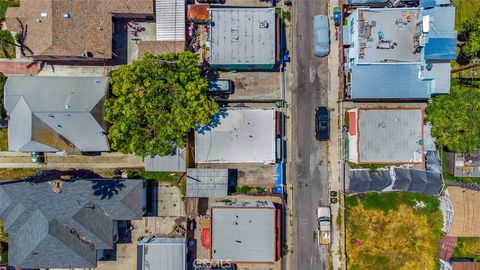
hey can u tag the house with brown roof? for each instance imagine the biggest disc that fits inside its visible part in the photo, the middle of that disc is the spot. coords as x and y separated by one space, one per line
73 30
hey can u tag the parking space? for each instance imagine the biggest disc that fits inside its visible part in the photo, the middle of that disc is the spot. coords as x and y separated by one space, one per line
254 85
250 175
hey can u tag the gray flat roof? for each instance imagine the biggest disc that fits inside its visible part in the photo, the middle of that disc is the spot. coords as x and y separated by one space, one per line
161 254
237 135
390 135
387 35
243 233
242 36
205 183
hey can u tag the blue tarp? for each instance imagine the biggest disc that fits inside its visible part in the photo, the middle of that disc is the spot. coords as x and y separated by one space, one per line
280 178
442 38
433 3
389 81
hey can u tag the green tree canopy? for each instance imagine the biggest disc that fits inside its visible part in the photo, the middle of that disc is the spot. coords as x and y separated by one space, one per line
470 33
455 118
155 102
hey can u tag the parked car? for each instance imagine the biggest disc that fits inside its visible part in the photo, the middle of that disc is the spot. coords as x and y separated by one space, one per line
321 36
322 125
220 87
324 225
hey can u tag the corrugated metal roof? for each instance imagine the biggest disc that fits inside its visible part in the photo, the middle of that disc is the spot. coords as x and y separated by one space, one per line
170 18
161 254
173 163
382 82
242 36
207 183
237 135
243 233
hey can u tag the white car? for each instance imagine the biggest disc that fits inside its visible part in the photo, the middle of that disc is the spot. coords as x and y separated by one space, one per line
321 36
324 225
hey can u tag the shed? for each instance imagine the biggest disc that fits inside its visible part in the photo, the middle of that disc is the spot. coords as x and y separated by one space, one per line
170 20
172 163
207 183
242 38
161 254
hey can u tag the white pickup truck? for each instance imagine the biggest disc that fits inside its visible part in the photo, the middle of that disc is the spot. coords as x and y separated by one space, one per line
324 225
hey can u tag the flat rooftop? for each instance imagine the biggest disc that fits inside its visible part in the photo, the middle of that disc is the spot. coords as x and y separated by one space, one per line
244 233
237 135
387 35
390 135
242 36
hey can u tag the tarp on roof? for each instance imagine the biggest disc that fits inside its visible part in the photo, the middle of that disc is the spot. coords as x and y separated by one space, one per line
432 159
442 38
198 12
433 3
364 180
381 82
418 181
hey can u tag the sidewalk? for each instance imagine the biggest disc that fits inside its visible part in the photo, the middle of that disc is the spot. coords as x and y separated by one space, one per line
335 144
54 161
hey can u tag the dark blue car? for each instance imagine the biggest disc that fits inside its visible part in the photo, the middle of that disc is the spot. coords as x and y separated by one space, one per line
322 126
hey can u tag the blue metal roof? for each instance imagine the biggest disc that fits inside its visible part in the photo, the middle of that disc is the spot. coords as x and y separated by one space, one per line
433 3
442 38
392 81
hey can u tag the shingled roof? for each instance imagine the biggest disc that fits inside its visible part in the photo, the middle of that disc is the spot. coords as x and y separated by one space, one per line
45 227
49 114
71 27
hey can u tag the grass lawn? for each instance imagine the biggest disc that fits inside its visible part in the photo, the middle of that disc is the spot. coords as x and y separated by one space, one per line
154 176
3 139
467 247
389 231
4 4
464 9
9 48
3 242
371 167
17 173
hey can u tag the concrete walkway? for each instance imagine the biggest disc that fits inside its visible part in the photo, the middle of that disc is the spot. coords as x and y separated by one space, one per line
54 161
335 144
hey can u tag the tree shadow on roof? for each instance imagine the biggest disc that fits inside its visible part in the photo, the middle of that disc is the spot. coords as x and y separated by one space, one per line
106 189
215 122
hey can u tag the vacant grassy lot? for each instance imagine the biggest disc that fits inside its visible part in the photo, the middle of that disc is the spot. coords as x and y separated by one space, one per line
467 247
393 231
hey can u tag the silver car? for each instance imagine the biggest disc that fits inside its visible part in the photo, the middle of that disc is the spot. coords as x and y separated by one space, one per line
321 36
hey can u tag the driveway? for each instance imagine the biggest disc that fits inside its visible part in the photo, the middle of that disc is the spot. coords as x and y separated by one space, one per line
308 168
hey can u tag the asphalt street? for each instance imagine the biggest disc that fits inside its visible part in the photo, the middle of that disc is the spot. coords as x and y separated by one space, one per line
308 170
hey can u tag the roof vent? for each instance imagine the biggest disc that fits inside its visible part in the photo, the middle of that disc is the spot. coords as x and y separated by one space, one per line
87 54
264 24
43 14
67 16
67 106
